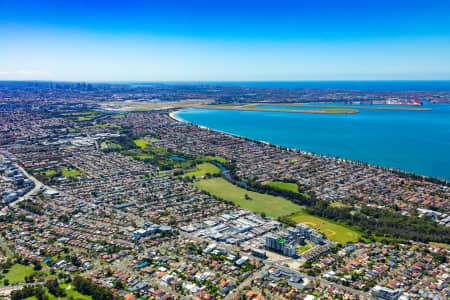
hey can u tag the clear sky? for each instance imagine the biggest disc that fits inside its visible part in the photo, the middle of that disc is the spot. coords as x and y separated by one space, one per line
224 40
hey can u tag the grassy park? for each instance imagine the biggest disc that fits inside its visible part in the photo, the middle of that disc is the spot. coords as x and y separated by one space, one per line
71 173
203 169
286 186
216 158
141 143
260 203
66 173
276 207
112 126
17 273
331 230
50 173
70 291
87 118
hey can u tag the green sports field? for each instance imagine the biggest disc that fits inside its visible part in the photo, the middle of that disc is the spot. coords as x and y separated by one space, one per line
270 205
331 230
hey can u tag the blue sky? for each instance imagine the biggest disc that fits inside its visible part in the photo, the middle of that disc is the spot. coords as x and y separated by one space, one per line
224 40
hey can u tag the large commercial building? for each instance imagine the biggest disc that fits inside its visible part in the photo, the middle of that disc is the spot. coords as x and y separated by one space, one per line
279 244
386 293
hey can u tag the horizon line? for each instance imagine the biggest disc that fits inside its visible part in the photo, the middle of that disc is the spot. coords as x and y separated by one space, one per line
219 81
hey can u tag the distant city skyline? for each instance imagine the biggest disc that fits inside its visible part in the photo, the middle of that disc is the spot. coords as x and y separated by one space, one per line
224 41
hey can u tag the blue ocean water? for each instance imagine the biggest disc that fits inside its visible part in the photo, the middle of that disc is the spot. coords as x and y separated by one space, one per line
413 141
365 85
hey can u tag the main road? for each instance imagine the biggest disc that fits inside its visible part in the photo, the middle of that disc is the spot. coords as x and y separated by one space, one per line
37 185
277 264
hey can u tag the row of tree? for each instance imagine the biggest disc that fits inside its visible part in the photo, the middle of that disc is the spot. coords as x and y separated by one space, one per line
88 287
381 222
39 292
370 220
29 291
300 198
53 287
32 207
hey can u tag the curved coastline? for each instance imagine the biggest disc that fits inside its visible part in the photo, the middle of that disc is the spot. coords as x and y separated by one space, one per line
174 116
251 107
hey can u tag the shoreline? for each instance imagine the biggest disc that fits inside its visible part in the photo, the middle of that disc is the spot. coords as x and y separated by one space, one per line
173 116
390 169
320 110
348 107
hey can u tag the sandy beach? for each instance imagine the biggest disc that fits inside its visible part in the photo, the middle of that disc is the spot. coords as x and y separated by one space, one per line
173 116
